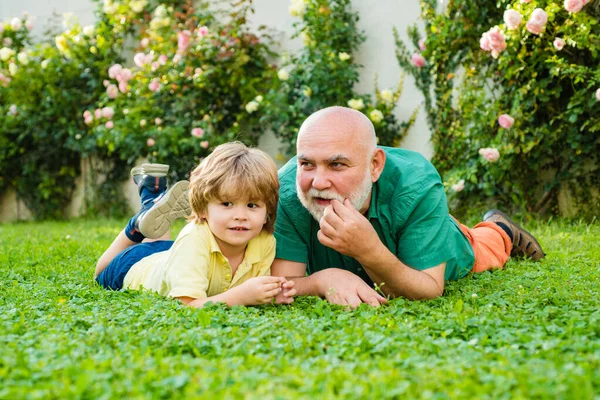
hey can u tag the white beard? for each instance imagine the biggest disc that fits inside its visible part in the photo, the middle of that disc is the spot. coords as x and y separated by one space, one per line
357 197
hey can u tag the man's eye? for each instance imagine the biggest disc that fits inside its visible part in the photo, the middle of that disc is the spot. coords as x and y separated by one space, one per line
305 164
337 165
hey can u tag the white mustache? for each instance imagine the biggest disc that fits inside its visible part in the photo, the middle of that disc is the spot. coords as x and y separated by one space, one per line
325 194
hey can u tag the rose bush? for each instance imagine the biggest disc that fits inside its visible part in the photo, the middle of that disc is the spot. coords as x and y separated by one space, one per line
45 87
197 80
324 73
520 126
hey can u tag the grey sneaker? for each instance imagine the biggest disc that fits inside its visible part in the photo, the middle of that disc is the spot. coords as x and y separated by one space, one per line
172 205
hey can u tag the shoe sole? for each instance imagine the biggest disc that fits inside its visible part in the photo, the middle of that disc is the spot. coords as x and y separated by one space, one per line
173 205
156 170
530 237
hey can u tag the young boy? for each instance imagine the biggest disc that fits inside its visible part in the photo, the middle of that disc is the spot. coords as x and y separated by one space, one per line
223 254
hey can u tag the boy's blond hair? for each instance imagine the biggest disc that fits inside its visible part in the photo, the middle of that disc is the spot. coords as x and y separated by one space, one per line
231 171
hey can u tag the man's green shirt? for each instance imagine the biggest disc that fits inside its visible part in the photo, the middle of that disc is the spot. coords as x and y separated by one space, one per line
408 210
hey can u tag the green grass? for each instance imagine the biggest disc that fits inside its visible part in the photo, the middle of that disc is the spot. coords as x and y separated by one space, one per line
528 331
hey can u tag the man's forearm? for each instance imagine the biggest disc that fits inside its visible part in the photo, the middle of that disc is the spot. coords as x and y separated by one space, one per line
398 279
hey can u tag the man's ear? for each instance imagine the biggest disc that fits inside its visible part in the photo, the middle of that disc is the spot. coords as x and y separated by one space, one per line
377 164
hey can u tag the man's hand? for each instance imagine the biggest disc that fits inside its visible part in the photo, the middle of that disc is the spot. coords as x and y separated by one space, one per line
346 230
286 296
342 287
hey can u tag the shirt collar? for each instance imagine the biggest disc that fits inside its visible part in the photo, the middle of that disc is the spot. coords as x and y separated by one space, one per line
252 254
372 212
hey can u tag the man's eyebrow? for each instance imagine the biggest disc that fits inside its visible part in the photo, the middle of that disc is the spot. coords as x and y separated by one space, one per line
337 157
332 159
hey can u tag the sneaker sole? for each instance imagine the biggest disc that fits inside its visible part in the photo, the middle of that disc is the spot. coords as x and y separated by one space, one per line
173 205
155 169
531 238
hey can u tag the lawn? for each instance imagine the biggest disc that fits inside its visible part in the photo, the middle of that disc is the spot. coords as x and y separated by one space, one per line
531 330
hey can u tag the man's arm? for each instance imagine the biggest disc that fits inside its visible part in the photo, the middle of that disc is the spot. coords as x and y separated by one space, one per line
398 279
338 286
347 231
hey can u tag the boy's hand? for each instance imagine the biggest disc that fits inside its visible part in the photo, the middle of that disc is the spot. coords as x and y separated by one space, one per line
260 290
286 296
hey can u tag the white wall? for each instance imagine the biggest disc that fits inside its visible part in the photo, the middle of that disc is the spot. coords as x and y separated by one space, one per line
44 9
377 55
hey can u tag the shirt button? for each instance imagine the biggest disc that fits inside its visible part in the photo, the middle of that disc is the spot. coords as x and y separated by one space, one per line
228 276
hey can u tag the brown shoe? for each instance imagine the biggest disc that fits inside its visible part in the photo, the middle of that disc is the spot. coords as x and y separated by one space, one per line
524 244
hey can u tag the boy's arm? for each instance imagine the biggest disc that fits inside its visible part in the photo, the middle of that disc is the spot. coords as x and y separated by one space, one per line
255 291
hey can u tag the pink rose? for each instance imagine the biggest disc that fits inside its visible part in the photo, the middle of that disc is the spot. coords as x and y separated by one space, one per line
176 58
114 71
574 6
458 186
88 118
559 44
106 82
13 109
158 121
108 112
141 59
150 142
537 22
97 113
145 42
154 85
490 154
598 94
512 19
109 124
202 31
506 121
484 43
123 87
197 132
418 60
162 59
525 1
155 65
204 144
124 75
496 39
183 41
112 91
422 45
30 23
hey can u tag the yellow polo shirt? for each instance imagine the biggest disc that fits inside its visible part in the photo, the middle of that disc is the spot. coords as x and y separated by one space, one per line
195 266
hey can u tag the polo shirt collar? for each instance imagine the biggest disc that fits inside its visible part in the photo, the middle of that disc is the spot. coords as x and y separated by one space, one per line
373 211
251 256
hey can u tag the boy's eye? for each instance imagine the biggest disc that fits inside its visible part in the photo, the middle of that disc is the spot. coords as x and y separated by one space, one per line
227 204
253 205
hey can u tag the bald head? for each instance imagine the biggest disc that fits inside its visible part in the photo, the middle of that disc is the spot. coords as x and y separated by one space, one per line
345 124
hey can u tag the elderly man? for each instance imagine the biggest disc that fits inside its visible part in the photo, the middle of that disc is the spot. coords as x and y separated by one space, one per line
353 215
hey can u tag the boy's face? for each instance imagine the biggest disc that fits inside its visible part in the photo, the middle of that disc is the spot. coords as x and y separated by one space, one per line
235 222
